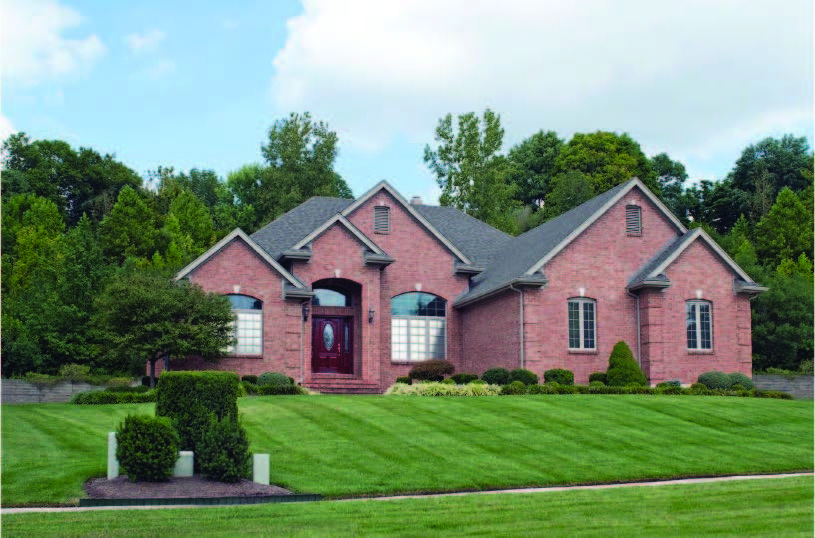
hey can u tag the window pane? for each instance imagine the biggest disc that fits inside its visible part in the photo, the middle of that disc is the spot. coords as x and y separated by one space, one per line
690 323
418 304
574 324
704 326
244 302
588 324
326 297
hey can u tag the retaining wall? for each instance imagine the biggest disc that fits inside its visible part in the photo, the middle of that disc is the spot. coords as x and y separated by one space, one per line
17 391
800 386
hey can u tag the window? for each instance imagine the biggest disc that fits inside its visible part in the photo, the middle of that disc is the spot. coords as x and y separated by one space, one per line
382 219
248 325
329 297
418 327
581 324
633 220
698 325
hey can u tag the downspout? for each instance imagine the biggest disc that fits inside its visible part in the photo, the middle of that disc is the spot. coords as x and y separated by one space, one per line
639 338
521 324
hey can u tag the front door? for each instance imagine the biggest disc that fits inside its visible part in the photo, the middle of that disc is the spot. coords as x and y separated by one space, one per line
332 345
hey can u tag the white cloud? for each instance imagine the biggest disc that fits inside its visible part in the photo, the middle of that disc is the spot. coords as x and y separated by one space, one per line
692 76
6 128
146 42
35 49
161 69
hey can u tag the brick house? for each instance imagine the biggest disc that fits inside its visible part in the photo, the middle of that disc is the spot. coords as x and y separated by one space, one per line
345 295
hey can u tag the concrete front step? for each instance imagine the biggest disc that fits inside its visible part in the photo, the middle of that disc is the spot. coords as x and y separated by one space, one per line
340 385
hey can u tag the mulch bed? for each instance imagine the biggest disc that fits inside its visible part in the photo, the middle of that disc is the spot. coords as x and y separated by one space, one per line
177 487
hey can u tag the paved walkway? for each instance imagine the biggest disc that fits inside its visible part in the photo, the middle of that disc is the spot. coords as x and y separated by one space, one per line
5 511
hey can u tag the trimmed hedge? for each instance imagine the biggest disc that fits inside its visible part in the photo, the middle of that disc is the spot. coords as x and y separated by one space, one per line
147 448
273 378
496 376
622 368
715 380
514 388
561 376
253 379
223 453
435 388
524 376
737 378
106 397
598 376
405 379
462 379
284 390
432 370
188 399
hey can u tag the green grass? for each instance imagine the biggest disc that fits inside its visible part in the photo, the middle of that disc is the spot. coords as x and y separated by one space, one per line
353 445
771 507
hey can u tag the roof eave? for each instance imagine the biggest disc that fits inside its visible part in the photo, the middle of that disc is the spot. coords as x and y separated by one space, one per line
653 284
372 258
468 269
520 282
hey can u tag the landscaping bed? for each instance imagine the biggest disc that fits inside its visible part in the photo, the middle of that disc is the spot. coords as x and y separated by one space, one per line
177 487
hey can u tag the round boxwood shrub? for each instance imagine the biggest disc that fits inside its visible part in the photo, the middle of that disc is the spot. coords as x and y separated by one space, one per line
404 379
622 368
524 376
496 376
597 376
737 378
463 379
223 453
477 382
513 389
561 376
535 389
714 380
448 381
432 370
273 379
147 448
737 388
596 383
253 379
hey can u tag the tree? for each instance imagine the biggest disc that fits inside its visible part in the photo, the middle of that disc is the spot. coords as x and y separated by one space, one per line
130 229
533 166
788 162
608 159
570 189
145 317
473 178
786 231
671 177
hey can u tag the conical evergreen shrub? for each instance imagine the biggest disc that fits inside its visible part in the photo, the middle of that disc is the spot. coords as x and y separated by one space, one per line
622 368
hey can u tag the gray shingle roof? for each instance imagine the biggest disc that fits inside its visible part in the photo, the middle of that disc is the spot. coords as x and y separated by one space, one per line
284 232
657 260
477 240
521 253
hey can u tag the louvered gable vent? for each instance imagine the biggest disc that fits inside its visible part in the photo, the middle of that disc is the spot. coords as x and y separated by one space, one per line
633 220
382 219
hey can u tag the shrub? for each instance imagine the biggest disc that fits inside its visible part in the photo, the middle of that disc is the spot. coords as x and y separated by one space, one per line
513 389
737 388
448 381
433 370
145 380
188 398
535 389
596 383
223 453
806 367
253 379
273 378
434 388
147 448
524 376
404 379
477 382
463 379
249 388
714 380
560 376
74 372
113 397
668 389
737 378
284 390
597 376
622 368
496 376
127 388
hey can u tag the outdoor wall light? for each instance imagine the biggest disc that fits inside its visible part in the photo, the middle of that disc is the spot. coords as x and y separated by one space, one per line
306 309
371 313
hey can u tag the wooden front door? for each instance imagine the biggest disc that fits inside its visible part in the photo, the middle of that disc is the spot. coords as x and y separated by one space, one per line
332 345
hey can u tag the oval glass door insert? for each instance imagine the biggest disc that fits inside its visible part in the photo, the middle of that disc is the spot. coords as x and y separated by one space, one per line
328 336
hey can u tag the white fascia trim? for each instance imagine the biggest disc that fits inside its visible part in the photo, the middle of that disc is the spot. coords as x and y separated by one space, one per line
345 222
600 212
237 233
699 233
393 192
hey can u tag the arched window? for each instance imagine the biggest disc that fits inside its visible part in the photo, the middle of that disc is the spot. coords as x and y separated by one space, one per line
698 325
418 327
248 325
582 321
331 297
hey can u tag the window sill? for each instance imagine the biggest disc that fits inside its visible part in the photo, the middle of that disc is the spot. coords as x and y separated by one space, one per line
235 356
401 362
699 351
583 352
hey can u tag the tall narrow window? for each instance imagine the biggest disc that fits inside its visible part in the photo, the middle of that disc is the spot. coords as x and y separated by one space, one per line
581 324
248 325
698 325
382 219
418 327
633 220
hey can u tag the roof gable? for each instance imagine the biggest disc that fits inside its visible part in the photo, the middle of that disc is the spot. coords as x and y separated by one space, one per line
339 218
384 185
239 234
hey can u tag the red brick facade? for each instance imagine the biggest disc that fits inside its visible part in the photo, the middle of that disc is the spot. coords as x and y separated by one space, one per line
597 265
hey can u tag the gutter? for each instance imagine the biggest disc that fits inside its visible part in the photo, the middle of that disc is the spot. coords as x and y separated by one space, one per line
639 337
521 328
520 281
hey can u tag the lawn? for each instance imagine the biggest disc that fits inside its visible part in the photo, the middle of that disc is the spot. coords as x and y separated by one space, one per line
371 445
771 507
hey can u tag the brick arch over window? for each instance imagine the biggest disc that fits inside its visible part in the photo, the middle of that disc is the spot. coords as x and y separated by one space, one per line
248 325
418 327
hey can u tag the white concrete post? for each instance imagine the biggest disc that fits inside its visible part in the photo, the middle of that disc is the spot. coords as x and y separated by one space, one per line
113 463
260 469
184 464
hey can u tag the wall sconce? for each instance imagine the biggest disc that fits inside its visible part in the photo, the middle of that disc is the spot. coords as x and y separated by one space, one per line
371 313
306 309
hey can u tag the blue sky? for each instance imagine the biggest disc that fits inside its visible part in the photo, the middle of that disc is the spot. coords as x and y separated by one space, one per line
197 84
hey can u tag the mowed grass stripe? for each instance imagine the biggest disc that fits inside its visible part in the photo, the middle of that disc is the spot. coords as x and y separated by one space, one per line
374 445
771 507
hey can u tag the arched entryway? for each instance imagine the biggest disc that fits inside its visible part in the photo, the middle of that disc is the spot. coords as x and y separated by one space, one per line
335 322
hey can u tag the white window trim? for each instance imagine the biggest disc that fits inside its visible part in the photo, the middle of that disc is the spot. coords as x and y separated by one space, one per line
581 313
235 349
698 321
427 337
